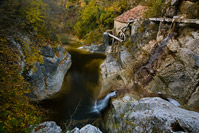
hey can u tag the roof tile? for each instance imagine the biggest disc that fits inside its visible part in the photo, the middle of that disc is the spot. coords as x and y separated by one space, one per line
135 13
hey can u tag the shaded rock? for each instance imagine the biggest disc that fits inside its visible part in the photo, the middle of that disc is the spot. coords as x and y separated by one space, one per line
47 127
86 129
75 130
47 51
194 100
151 115
185 5
171 11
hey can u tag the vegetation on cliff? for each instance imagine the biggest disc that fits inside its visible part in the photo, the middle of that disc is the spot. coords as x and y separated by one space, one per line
30 24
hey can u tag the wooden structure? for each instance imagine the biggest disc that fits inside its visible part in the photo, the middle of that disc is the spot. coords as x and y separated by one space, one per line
121 35
178 20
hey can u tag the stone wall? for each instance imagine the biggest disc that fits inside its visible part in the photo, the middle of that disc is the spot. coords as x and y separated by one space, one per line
118 25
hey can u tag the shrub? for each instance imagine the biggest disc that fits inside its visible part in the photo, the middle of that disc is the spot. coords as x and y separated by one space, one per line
154 8
94 36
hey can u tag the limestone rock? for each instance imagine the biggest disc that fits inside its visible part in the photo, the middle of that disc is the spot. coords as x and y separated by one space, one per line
151 115
89 129
125 57
113 70
47 127
95 48
86 129
110 66
49 76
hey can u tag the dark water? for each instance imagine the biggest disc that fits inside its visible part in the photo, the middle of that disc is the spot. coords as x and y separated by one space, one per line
79 89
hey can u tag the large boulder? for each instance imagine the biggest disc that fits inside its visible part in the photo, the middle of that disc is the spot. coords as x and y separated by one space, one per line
48 77
86 129
47 127
44 77
150 115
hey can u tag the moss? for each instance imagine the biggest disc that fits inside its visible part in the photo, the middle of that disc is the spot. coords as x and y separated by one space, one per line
127 43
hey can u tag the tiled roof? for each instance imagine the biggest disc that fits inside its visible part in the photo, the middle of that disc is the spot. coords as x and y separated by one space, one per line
135 13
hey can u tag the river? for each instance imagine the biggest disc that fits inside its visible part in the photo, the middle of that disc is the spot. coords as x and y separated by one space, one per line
79 89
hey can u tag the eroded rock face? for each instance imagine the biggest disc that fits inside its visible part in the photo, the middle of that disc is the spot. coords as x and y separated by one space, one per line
86 129
177 74
113 69
47 127
47 79
150 115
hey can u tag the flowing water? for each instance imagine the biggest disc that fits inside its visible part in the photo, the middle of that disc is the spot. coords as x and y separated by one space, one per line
80 88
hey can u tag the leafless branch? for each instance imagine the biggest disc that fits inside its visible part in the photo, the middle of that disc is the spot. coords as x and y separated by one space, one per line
68 124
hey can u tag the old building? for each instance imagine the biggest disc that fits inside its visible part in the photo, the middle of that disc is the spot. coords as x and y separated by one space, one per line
122 20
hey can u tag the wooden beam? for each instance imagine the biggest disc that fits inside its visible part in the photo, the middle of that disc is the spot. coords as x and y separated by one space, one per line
179 20
115 37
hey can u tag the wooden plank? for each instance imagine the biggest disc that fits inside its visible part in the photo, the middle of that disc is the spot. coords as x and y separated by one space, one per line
115 37
179 20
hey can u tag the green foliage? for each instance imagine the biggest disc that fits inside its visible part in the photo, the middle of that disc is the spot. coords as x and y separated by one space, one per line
154 8
88 19
98 16
94 36
27 16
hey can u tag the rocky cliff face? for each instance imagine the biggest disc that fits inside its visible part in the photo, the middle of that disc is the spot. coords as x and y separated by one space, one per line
47 78
160 58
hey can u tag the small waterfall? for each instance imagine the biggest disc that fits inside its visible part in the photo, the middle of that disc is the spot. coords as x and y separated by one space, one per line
172 101
102 104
